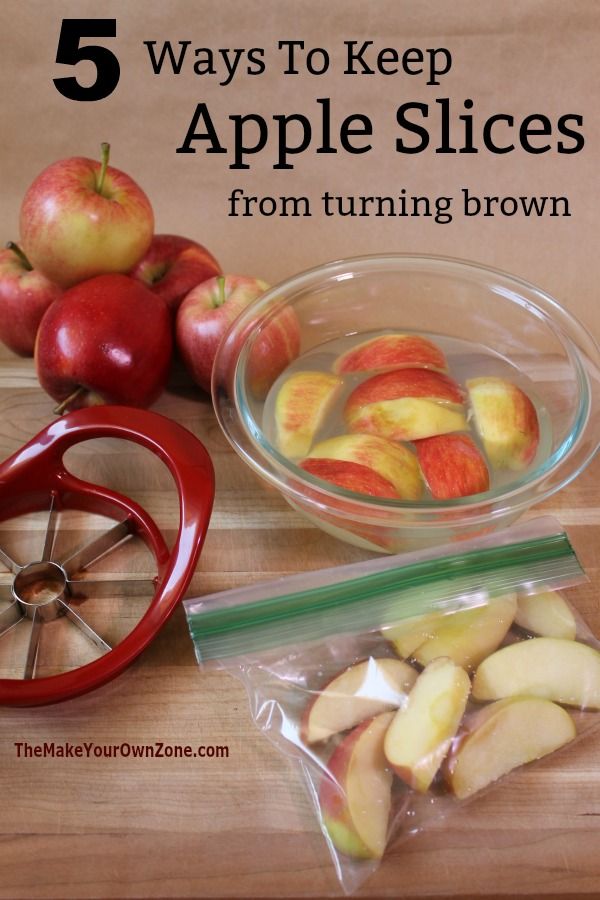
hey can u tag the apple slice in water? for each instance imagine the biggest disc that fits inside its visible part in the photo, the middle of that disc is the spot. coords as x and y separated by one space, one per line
506 420
394 462
301 405
391 351
452 466
406 405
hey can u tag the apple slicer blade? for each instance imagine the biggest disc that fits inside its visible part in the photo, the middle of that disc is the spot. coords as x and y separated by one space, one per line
86 578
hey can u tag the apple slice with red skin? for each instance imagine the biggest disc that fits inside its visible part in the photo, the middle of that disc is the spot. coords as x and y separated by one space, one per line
393 462
363 690
173 265
506 420
421 732
302 402
25 295
352 477
355 794
502 736
106 340
391 351
452 466
406 405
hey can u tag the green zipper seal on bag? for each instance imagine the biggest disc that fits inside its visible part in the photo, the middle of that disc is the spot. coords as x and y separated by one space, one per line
384 598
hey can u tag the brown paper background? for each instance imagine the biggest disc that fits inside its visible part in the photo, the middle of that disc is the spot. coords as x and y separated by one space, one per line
516 56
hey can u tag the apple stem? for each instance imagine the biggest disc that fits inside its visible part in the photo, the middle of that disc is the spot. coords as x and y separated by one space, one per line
19 253
64 404
221 295
105 153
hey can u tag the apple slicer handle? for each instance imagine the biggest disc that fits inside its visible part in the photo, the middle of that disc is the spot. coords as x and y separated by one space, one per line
39 465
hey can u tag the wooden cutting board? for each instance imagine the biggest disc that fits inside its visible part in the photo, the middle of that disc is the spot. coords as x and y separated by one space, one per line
243 825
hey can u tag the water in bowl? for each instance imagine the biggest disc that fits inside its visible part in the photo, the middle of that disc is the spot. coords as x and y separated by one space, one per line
466 360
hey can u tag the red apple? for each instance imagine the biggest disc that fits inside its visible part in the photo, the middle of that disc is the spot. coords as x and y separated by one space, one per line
107 340
206 314
82 218
173 266
452 466
25 295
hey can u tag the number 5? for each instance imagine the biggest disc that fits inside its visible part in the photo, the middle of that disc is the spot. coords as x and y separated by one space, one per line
69 53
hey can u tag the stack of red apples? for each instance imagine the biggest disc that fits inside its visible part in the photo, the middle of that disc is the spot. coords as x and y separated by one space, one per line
407 423
101 301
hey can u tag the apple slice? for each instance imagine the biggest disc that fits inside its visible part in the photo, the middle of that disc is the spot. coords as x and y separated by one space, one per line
408 419
502 736
302 403
553 668
351 476
358 693
452 466
395 463
420 734
546 614
355 794
468 636
406 405
506 420
391 351
411 633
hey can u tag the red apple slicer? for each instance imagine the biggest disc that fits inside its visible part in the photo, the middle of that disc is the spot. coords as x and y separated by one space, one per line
67 623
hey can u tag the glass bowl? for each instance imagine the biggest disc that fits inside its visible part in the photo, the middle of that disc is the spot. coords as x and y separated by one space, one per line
436 296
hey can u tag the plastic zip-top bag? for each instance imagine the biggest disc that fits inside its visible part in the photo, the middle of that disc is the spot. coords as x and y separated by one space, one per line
409 684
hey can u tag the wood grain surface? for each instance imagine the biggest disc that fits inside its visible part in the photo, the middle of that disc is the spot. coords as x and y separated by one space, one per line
244 826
